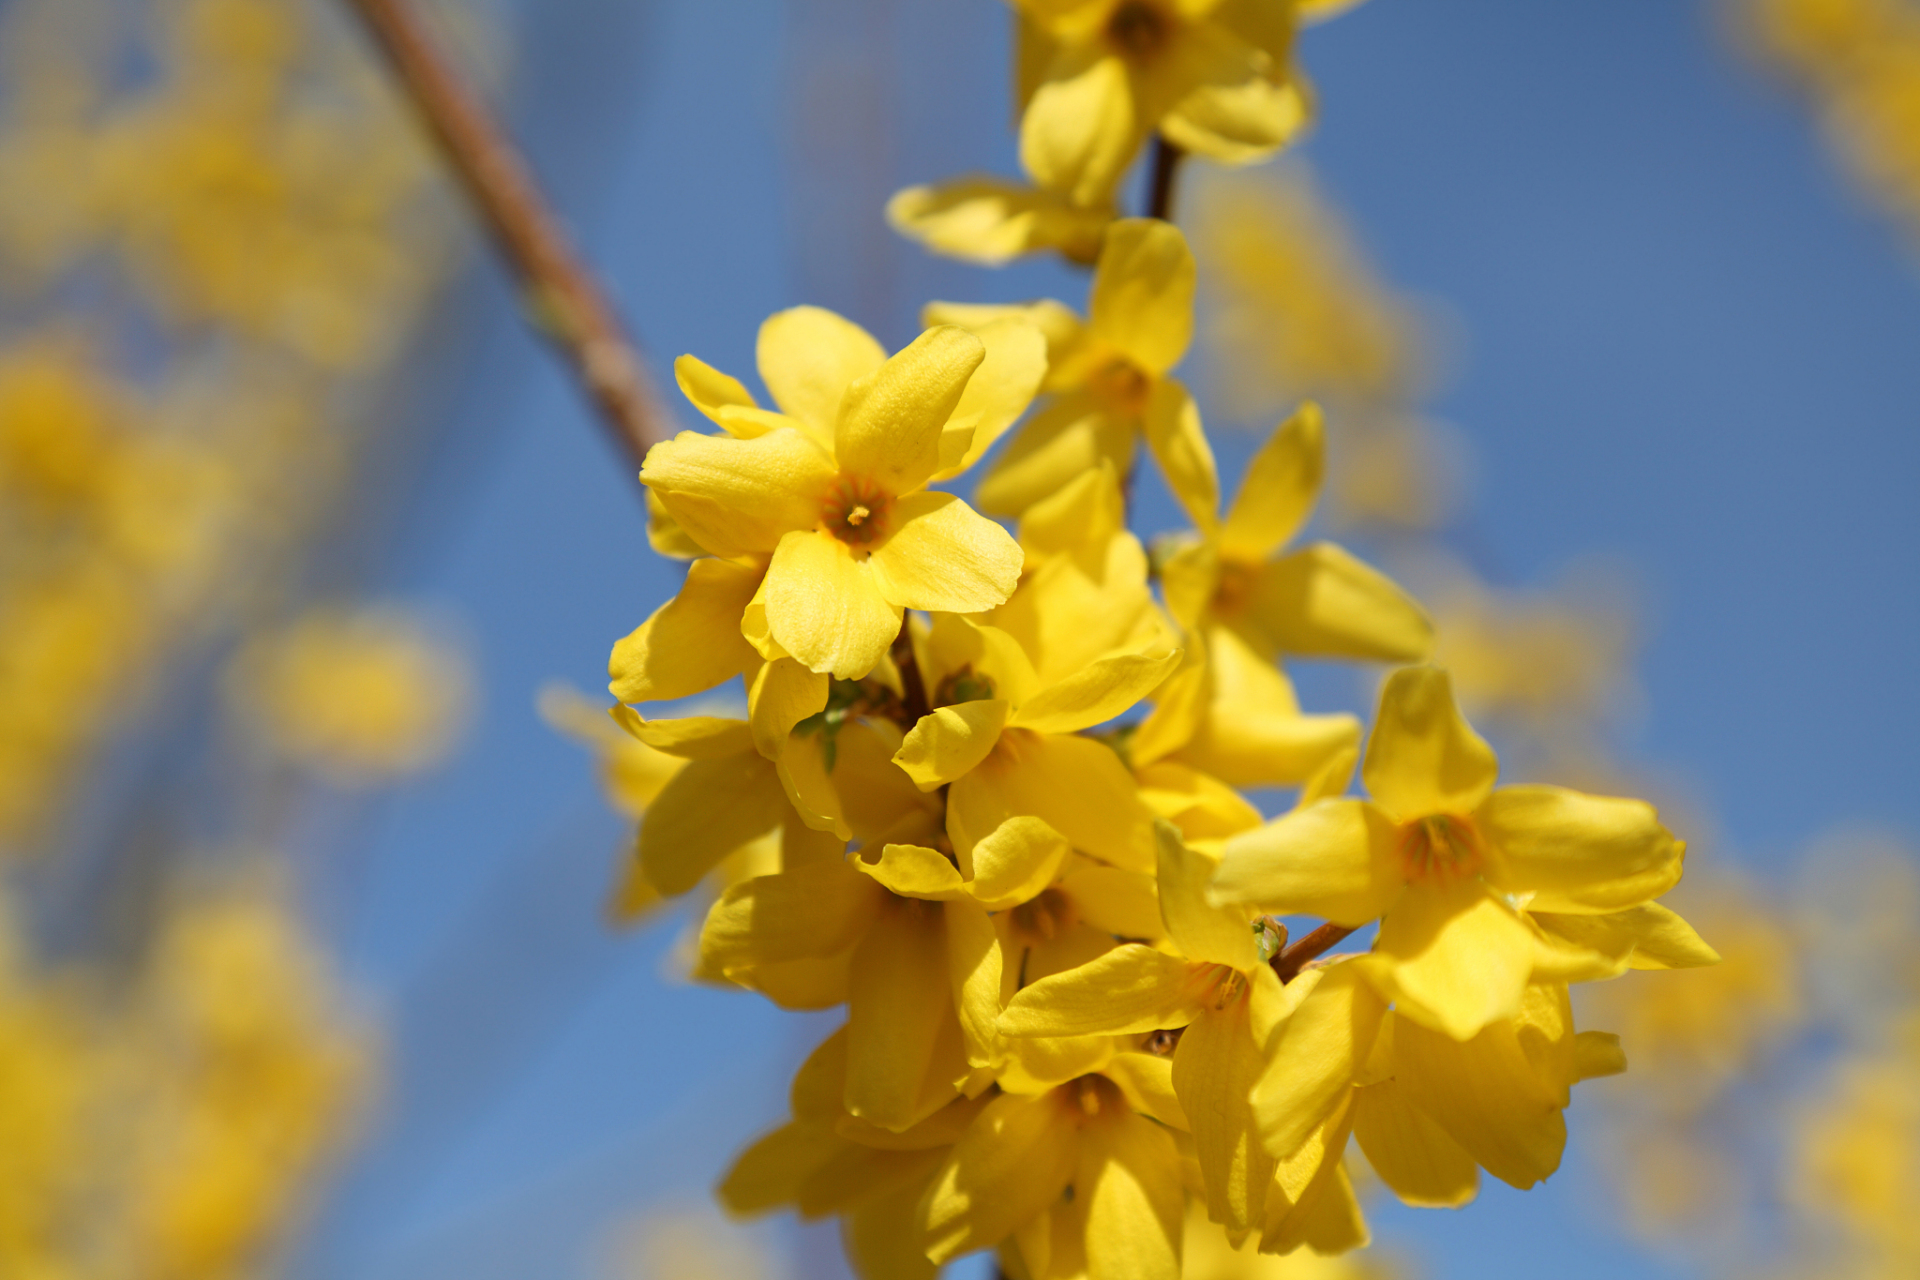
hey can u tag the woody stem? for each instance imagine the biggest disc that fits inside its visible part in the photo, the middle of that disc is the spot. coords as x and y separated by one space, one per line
1294 958
1166 165
913 686
563 294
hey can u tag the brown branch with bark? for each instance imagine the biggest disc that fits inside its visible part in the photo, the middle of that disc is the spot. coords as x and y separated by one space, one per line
561 291
1293 959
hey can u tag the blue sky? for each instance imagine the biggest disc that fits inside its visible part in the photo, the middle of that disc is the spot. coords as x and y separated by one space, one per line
1688 345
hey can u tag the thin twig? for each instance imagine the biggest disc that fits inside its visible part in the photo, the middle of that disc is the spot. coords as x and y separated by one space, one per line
1291 961
913 687
1166 165
562 292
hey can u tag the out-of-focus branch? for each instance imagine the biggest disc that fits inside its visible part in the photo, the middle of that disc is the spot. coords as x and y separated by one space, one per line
561 291
1291 961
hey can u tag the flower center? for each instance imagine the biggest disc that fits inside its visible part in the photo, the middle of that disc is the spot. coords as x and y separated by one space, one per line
1233 586
856 511
1137 29
1440 849
1122 386
1044 918
1094 1096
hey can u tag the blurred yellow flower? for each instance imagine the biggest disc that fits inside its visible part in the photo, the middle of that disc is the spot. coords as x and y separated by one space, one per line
359 697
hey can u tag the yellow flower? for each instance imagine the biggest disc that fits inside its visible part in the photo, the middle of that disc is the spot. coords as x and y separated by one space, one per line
1219 987
827 1161
1004 740
1318 601
1428 1111
834 489
1855 1162
1096 77
1079 1180
1449 865
360 696
1108 378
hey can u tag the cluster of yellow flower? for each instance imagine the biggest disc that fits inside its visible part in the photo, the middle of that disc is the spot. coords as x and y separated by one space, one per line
1859 62
253 221
171 1125
986 789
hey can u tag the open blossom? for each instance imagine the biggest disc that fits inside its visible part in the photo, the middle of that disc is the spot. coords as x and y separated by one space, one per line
1108 377
833 490
1448 864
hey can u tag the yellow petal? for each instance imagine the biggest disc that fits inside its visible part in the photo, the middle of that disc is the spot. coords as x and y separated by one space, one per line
891 420
708 389
1328 1221
737 497
1279 489
1081 518
1095 694
1202 807
692 642
1215 1067
991 221
1129 1174
1067 437
1016 861
1453 958
1130 988
1424 758
898 1003
1080 131
1318 1052
881 1237
956 645
1337 859
945 556
809 356
1142 298
769 1173
1122 903
997 394
1597 1054
1650 936
1239 123
1321 602
824 607
1253 733
800 913
914 872
976 969
711 808
1147 1081
1075 785
1056 321
1215 935
689 738
1412 1154
782 694
809 786
1172 426
665 535
1073 611
1012 1165
1577 853
1487 1095
880 801
948 744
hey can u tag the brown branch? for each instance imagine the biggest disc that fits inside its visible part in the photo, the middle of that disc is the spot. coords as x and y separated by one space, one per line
1166 165
1291 961
913 686
561 291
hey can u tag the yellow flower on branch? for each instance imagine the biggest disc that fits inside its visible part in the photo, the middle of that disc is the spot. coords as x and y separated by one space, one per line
1451 867
834 489
1097 77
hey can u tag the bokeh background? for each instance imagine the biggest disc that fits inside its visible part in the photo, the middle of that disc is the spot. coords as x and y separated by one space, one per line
1676 350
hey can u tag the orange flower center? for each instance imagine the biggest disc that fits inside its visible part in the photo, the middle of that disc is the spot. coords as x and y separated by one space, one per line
1137 29
1122 386
1233 586
857 511
1095 1096
1440 849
